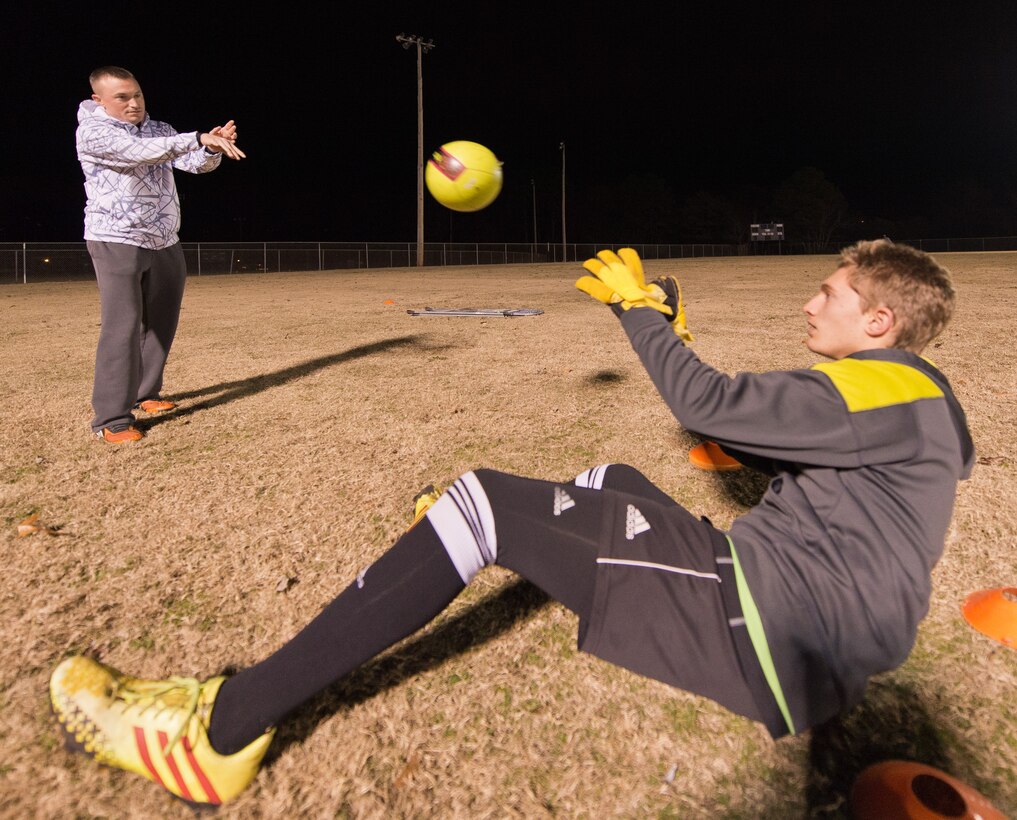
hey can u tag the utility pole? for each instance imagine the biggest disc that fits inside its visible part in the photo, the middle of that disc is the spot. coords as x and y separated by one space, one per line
422 48
533 186
564 247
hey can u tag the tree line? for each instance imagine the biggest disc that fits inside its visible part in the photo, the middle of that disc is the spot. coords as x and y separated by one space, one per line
814 210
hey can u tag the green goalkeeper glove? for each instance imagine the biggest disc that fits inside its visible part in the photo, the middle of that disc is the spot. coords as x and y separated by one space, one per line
618 281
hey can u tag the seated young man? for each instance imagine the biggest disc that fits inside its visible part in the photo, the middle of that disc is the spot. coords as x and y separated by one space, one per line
782 619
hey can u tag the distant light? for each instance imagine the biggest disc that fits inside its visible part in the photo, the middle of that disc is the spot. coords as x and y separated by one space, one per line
46 261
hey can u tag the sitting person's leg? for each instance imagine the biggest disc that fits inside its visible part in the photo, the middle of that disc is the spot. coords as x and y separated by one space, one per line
399 593
637 569
205 741
623 478
482 518
643 574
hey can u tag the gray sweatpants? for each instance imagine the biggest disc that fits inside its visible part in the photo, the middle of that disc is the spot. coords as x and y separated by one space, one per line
140 291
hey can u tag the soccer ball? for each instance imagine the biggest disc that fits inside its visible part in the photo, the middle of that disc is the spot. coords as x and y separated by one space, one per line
464 176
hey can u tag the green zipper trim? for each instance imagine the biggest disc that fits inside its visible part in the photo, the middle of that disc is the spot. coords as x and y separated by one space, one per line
755 626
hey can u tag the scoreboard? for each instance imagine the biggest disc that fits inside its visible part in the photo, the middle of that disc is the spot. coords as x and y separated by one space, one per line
766 231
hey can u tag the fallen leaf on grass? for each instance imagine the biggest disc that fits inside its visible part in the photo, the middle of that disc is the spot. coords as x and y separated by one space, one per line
32 524
408 771
28 525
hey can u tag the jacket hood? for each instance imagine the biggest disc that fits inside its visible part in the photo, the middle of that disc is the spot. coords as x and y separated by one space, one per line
90 108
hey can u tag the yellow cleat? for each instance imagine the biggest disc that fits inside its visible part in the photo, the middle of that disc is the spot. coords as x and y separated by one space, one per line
155 728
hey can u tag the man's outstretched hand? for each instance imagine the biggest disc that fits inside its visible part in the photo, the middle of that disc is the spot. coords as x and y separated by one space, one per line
223 140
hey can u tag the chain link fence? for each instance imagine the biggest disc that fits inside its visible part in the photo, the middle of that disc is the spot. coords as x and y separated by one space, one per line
25 262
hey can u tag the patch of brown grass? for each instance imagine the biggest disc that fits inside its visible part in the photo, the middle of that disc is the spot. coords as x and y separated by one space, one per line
310 414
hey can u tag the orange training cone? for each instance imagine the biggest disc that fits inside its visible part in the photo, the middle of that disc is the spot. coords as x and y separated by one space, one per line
993 612
709 456
903 790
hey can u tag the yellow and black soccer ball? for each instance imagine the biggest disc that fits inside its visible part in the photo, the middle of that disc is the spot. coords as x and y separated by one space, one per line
464 176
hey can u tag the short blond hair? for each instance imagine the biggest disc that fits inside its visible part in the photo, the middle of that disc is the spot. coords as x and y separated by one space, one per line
910 282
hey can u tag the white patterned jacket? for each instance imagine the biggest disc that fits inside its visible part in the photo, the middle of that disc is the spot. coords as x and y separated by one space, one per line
131 196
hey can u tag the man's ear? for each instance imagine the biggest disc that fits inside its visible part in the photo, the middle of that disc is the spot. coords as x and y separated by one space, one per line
880 323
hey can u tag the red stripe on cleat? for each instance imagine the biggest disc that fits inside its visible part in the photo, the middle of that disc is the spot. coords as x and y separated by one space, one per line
146 758
206 784
174 769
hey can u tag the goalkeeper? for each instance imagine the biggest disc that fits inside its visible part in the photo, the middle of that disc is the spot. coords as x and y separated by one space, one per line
782 619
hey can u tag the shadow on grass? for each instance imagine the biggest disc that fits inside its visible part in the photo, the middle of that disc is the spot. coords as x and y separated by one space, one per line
244 388
606 377
891 724
745 487
484 621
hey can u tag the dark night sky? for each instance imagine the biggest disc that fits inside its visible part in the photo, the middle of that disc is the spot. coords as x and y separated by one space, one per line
905 110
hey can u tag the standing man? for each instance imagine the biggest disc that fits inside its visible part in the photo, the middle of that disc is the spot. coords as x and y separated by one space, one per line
132 215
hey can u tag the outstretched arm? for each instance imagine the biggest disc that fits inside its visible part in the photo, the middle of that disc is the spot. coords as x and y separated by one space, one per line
787 416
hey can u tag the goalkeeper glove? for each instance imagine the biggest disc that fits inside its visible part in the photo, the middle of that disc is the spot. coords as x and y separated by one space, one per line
671 295
618 281
665 289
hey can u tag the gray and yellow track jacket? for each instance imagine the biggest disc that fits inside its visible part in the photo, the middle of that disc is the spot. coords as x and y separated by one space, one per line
866 453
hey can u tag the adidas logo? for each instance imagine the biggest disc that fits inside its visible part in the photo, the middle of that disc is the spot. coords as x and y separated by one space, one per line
562 501
635 523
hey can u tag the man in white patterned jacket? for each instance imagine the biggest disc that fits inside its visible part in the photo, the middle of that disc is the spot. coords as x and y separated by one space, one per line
132 215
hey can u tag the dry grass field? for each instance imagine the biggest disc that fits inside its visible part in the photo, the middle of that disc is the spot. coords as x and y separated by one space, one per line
310 412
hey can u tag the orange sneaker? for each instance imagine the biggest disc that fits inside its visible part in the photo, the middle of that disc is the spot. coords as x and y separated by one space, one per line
155 406
124 434
709 456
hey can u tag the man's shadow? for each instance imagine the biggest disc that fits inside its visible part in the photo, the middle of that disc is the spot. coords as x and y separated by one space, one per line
746 485
244 388
482 622
892 723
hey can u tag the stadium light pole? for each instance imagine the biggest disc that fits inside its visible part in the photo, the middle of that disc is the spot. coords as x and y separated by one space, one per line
422 48
533 187
564 247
